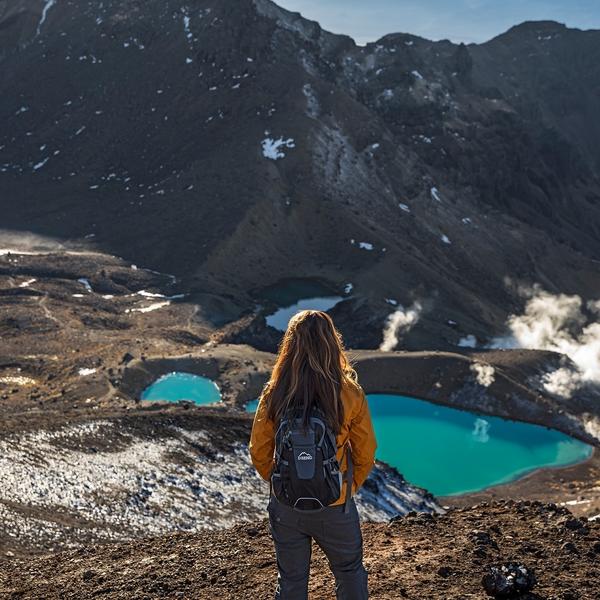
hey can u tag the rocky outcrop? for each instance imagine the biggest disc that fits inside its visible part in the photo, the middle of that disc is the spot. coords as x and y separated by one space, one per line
510 580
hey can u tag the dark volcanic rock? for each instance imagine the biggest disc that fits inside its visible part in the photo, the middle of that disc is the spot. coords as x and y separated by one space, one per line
153 131
509 580
252 330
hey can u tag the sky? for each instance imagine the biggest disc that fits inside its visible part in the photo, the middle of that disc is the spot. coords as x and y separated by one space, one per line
457 20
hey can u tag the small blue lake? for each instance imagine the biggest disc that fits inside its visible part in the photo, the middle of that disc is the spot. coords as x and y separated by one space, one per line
450 451
252 405
293 295
177 386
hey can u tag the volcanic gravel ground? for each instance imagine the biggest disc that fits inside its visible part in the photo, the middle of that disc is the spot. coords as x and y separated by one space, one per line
418 556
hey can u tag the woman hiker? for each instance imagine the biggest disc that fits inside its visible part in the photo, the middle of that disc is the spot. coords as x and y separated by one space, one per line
312 434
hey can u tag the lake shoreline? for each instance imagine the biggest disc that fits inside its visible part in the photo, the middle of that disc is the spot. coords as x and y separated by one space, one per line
452 452
571 485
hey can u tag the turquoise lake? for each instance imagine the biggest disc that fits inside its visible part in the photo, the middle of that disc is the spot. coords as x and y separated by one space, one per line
450 451
176 386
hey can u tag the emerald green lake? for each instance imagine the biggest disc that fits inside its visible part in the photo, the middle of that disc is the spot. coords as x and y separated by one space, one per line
177 386
450 451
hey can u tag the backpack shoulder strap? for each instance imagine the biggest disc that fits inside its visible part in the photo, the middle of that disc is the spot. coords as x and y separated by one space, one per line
349 477
318 421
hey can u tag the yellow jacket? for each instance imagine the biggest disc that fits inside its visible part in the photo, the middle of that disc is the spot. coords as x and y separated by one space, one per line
357 428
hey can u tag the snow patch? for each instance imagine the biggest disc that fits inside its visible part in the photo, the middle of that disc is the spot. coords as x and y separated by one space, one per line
594 518
85 283
186 26
154 295
84 372
47 6
152 307
363 245
41 163
27 283
271 148
469 341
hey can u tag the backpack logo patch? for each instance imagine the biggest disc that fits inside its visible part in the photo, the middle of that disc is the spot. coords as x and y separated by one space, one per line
305 456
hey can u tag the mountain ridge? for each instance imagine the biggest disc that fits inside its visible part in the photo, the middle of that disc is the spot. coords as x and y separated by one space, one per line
233 149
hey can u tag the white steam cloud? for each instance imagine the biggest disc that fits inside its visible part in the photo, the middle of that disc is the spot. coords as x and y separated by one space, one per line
484 374
557 322
398 323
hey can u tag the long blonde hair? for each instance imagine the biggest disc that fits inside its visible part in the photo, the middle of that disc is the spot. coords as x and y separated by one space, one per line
310 370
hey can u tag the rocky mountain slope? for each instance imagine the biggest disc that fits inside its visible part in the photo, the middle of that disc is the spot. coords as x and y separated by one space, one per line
419 557
234 144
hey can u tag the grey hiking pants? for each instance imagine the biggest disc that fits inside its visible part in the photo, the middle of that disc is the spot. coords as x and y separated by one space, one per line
339 536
